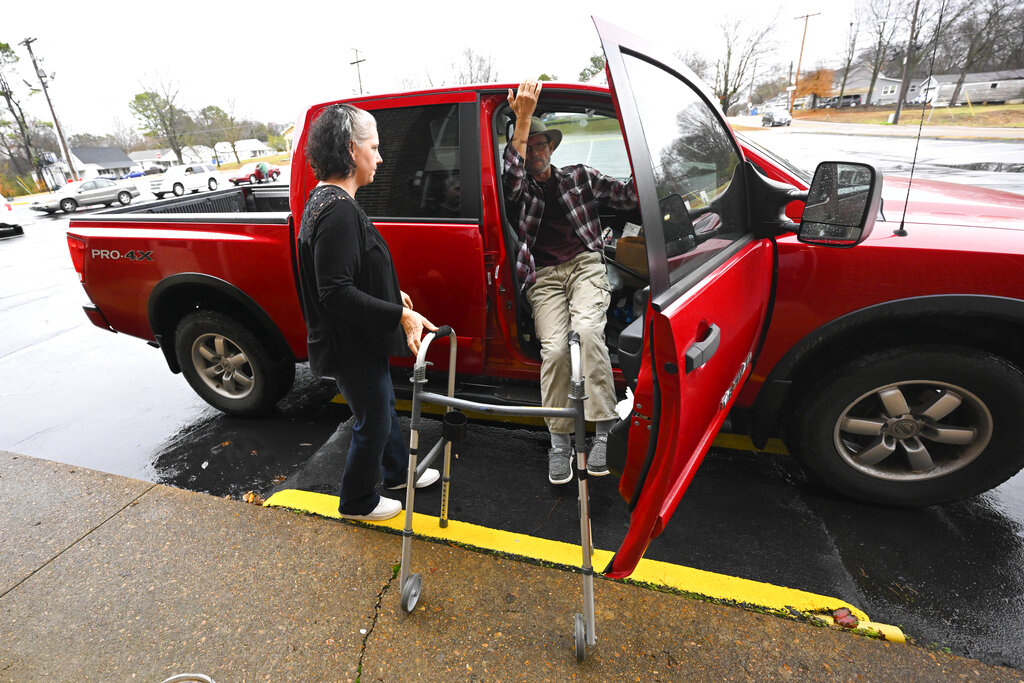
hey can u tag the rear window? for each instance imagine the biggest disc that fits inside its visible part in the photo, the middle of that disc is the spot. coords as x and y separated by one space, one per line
420 176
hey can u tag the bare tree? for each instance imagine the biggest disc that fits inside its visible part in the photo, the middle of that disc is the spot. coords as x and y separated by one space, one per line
851 50
124 136
744 45
157 110
475 68
8 59
884 18
698 63
976 35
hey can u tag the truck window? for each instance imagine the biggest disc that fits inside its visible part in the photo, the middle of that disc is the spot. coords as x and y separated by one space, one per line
419 177
697 169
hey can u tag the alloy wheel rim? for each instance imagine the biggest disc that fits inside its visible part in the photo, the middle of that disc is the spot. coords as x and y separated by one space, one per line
913 430
223 366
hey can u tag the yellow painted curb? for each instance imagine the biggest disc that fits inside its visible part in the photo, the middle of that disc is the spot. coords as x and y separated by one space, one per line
719 587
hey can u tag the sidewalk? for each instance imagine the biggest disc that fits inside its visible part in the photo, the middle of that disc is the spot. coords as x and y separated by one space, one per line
111 579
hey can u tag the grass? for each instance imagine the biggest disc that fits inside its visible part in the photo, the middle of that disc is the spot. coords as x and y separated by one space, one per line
984 115
277 159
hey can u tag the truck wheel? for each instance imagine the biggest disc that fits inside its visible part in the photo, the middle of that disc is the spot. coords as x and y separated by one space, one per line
920 425
228 365
212 184
124 197
68 205
178 189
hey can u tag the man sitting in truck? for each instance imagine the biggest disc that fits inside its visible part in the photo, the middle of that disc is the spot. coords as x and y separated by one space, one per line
560 264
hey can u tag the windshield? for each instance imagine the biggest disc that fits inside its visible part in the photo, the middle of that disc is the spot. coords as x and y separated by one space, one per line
784 163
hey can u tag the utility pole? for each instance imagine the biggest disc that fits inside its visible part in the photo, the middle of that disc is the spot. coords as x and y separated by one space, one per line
907 58
42 79
359 73
800 60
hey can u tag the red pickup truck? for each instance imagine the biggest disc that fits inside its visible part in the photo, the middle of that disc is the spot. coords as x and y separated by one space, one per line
892 369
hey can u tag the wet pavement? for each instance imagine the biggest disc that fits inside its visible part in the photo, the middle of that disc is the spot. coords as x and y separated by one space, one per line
948 575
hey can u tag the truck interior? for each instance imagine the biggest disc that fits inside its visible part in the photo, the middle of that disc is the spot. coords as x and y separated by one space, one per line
591 136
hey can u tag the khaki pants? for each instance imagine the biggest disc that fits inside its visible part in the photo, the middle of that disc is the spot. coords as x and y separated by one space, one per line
573 296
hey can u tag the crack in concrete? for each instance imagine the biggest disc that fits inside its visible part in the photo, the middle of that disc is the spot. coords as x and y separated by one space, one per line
373 624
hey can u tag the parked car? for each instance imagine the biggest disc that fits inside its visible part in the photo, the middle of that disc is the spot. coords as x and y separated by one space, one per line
187 178
890 363
86 193
250 173
776 117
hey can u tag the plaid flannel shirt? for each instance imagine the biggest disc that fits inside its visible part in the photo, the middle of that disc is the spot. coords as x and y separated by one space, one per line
582 191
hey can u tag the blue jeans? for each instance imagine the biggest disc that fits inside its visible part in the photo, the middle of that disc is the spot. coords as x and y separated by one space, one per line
377 440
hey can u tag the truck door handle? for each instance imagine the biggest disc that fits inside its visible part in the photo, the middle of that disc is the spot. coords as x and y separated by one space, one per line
701 352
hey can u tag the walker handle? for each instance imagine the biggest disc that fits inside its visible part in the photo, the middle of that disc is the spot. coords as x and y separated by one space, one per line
443 331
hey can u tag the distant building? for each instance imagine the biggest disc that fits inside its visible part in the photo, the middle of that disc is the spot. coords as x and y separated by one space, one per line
288 134
154 158
92 162
247 149
886 90
989 87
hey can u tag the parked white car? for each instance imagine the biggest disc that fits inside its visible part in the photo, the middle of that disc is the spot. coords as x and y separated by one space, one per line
190 178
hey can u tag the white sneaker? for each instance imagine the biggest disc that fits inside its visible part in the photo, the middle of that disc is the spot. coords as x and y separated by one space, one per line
429 476
386 509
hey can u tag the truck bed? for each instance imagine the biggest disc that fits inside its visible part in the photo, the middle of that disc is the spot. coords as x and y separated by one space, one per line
243 201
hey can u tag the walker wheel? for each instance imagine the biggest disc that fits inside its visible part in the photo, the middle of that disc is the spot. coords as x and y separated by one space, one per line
581 638
411 592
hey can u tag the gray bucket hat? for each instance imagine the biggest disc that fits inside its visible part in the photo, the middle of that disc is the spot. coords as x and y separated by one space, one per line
537 127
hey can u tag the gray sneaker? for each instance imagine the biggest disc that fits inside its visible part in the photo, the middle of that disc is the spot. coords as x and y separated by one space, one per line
597 459
559 465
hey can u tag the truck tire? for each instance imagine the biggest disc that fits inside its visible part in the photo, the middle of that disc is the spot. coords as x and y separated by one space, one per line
913 426
178 189
229 366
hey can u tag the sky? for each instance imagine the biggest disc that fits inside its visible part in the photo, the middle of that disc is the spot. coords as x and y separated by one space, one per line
269 61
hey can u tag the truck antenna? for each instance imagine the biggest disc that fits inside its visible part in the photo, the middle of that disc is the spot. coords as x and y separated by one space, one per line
901 231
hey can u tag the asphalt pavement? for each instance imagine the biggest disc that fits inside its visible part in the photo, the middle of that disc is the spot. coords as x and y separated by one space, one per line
112 579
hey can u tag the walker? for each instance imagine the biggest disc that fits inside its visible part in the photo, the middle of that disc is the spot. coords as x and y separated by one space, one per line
452 433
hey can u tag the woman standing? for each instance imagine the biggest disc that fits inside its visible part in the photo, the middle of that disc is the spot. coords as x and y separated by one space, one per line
356 315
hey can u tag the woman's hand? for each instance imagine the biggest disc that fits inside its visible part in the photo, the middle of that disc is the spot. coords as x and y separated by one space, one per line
413 323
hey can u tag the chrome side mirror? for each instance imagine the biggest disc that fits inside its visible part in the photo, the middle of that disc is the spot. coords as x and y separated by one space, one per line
842 204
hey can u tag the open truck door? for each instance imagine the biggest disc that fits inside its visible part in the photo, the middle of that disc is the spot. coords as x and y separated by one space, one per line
709 225
711 280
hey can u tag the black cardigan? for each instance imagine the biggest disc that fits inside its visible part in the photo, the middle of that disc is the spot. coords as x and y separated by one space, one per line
350 293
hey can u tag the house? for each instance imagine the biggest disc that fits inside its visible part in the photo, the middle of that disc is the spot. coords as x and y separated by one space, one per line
886 90
154 158
987 87
199 154
91 162
246 149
